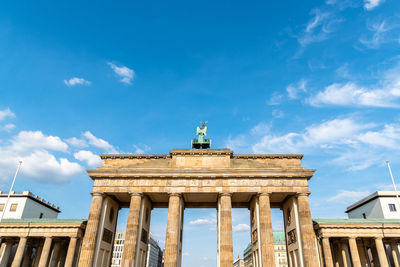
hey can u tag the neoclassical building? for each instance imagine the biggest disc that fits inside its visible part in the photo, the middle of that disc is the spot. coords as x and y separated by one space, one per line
212 178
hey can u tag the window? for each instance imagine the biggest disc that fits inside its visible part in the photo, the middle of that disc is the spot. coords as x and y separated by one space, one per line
1 207
13 207
392 207
41 215
364 216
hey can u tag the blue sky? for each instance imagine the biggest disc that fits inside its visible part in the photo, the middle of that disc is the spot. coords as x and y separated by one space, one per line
321 78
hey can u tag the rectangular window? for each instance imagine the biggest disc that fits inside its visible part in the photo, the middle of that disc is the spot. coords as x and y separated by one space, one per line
392 207
13 207
1 207
364 216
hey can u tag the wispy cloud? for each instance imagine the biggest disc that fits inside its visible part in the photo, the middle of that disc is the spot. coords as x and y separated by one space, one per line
6 113
241 228
348 197
8 127
386 93
347 142
319 27
76 81
141 148
203 222
381 33
294 89
126 74
371 4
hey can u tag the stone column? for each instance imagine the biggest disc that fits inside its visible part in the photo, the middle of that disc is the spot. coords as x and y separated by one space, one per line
38 253
225 245
307 231
132 228
71 252
355 257
344 253
395 253
19 254
172 238
27 256
89 240
44 256
266 234
380 248
326 246
6 249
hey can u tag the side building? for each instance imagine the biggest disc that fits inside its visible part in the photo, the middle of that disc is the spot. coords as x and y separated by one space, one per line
26 205
154 253
279 248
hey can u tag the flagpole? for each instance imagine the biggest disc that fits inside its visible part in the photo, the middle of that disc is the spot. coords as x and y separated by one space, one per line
394 184
9 193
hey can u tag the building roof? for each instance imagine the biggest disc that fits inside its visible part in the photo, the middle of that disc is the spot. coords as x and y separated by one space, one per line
369 198
43 220
358 221
279 238
36 198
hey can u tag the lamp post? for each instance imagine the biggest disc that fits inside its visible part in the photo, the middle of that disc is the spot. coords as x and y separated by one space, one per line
9 193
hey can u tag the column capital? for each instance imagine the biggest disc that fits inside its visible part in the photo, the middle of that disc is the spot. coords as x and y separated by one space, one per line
97 194
303 194
264 194
225 194
135 194
174 194
377 237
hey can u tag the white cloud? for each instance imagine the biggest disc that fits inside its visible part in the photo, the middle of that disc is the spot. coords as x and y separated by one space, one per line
126 74
28 140
76 81
100 143
294 89
76 142
185 254
8 127
89 157
346 141
203 222
328 133
385 94
38 163
241 228
371 4
6 113
348 197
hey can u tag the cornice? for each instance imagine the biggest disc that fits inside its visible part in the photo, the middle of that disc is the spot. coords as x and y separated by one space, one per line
200 173
268 156
133 156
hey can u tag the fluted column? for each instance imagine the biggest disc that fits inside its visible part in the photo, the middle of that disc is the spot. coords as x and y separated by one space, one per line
44 257
326 246
307 231
395 253
71 252
225 228
132 230
6 249
355 257
266 234
19 254
172 238
380 248
89 240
